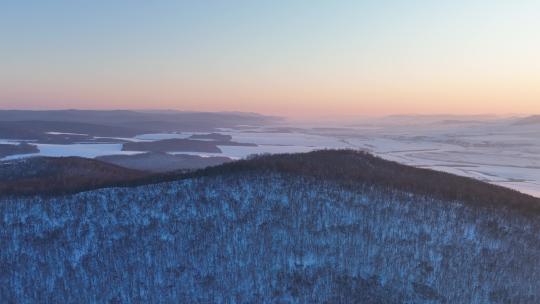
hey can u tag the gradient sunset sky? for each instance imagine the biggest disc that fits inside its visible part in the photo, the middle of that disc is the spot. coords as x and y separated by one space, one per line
292 58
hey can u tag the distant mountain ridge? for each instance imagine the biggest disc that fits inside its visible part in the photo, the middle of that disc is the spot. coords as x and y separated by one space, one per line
163 162
34 125
154 121
531 120
58 175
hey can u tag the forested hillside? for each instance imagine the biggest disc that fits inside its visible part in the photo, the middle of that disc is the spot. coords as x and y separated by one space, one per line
58 175
323 227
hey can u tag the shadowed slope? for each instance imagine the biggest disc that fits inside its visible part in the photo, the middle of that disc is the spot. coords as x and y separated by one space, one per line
56 175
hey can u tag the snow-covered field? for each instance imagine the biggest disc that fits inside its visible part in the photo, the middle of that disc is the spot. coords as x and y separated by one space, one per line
494 152
500 154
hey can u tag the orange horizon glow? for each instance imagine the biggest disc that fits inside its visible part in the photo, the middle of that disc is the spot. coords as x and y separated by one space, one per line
306 103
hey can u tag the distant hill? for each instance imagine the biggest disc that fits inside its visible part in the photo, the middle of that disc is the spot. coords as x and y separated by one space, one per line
73 126
163 162
172 145
148 122
531 120
434 119
64 132
212 136
182 145
22 148
56 175
320 227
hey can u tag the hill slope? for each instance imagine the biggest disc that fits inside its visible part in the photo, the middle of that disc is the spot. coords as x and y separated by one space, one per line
531 120
22 148
322 227
163 162
351 168
123 122
55 175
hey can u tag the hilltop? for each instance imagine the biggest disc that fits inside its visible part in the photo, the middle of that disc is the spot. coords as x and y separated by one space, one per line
321 227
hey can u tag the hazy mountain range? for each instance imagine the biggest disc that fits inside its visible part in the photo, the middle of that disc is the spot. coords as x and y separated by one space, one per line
78 125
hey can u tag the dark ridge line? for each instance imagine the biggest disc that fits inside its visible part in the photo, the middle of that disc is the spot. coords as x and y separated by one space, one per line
349 168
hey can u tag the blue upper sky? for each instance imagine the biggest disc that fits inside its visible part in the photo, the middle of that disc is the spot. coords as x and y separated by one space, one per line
272 56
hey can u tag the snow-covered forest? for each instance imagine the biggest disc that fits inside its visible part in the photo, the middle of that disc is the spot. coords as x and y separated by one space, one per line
270 236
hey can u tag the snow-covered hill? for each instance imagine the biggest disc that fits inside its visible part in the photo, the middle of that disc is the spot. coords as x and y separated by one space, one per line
323 227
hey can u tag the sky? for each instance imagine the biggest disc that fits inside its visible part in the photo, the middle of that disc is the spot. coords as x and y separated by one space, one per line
291 58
